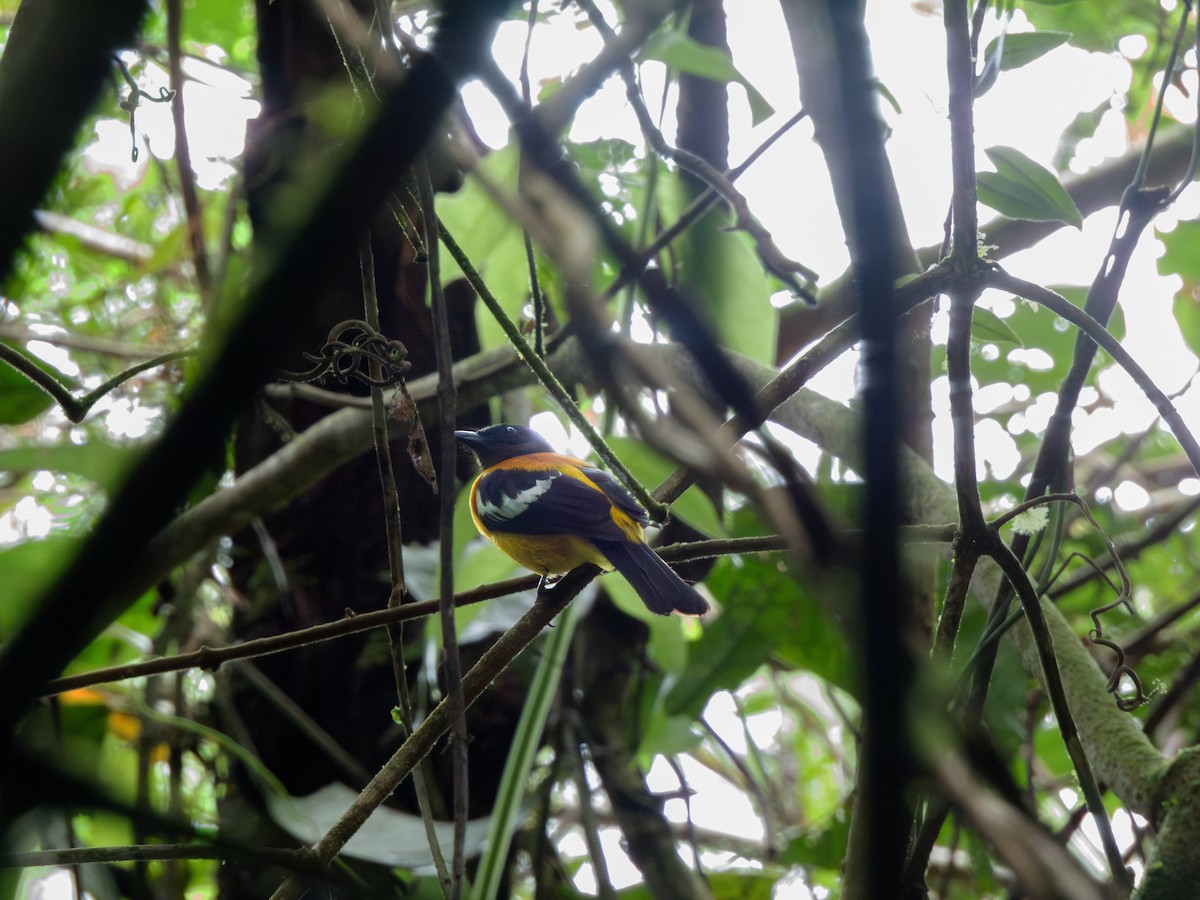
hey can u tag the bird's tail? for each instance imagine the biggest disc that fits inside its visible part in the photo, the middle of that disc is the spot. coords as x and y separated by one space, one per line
656 583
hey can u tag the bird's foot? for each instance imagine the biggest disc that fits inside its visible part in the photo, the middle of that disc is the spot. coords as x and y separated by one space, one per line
547 584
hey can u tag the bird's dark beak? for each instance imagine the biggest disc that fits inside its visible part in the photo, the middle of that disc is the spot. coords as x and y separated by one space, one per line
470 440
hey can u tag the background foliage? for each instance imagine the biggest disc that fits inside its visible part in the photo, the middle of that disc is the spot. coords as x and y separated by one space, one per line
169 494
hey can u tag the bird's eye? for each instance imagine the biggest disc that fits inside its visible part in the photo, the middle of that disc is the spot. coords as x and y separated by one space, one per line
511 430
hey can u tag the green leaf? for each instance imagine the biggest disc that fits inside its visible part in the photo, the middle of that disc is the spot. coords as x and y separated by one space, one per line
20 399
765 612
666 735
97 460
1082 127
721 269
681 52
1031 521
25 570
1023 189
1182 253
1024 48
1181 258
823 848
491 239
987 326
651 468
743 885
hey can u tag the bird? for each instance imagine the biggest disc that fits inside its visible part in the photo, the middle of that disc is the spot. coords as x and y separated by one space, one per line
551 512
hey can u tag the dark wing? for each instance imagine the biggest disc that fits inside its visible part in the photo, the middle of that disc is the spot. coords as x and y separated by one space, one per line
546 501
617 493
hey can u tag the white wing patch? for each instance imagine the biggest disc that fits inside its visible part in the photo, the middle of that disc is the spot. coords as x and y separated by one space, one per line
511 507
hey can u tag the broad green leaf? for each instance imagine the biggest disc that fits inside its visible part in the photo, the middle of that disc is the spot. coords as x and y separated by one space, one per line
681 52
1024 48
1182 258
668 735
720 268
824 847
221 22
1099 26
26 569
96 460
1082 127
1023 189
491 239
987 326
765 612
20 399
743 885
1182 253
651 468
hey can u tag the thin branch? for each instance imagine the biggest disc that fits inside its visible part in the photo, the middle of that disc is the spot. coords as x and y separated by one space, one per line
693 212
1139 177
77 408
773 259
547 378
211 658
497 658
1094 330
1011 566
393 530
960 75
183 155
78 856
796 374
459 735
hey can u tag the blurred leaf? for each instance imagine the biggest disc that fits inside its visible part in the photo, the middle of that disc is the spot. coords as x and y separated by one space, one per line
1082 127
169 251
491 239
666 735
21 399
668 645
1182 258
220 22
651 468
603 155
1038 329
97 460
721 269
25 570
764 611
824 848
987 326
681 52
1099 26
727 885
1021 49
1181 255
1023 189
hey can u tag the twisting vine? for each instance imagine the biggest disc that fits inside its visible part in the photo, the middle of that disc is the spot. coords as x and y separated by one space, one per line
349 352
133 100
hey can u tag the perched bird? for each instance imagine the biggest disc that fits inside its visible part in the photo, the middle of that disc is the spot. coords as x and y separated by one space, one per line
552 512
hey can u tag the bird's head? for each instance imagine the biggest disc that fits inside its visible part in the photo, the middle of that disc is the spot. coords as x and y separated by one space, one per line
497 443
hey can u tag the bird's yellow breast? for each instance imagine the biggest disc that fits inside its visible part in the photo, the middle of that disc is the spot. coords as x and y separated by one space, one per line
549 554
